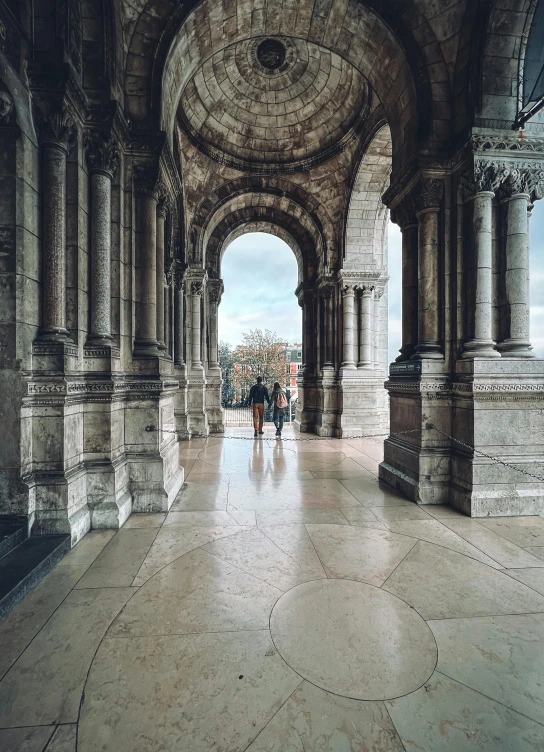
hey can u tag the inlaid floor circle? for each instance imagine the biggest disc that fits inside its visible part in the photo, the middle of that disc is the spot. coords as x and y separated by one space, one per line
353 639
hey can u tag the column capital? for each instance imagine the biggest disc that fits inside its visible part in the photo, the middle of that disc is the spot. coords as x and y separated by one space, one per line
55 123
215 289
404 213
522 179
428 195
367 291
196 280
146 178
101 151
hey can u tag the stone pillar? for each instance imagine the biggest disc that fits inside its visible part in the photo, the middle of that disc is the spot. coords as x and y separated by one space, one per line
196 282
515 192
215 291
327 293
365 327
161 315
404 215
179 323
57 135
307 301
428 210
146 234
102 157
348 308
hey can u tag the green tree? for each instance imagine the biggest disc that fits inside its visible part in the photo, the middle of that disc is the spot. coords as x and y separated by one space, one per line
262 353
226 362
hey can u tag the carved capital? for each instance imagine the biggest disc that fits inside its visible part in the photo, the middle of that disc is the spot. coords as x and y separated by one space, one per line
162 207
196 287
348 289
215 290
327 291
367 291
404 213
429 194
525 178
485 176
101 151
55 124
146 175
176 275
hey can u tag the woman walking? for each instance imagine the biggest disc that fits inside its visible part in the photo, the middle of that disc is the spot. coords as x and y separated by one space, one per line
278 398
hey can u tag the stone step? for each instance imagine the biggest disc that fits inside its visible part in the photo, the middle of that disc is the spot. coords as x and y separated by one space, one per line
11 534
26 564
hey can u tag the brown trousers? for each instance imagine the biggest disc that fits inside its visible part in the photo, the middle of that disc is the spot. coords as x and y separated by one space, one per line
258 416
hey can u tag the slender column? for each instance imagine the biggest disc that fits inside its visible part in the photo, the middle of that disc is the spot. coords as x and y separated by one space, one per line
327 293
365 327
516 190
348 305
58 135
196 281
482 345
404 215
428 210
179 328
146 219
161 316
307 301
215 291
102 157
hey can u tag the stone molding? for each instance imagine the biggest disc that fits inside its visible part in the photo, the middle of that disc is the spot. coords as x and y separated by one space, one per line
101 151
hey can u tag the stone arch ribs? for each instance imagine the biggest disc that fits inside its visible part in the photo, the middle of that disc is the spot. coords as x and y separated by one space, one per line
391 43
275 200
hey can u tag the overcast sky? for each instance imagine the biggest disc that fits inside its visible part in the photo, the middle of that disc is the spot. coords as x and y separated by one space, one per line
260 275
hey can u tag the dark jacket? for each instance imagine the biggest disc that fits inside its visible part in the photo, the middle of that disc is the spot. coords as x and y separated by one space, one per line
274 400
257 394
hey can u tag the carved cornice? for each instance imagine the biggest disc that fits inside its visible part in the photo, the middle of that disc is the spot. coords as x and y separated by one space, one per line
102 151
510 142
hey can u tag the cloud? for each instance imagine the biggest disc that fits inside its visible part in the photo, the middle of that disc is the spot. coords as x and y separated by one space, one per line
260 274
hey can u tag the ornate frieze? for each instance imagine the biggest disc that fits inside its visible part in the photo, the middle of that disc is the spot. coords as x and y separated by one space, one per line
102 151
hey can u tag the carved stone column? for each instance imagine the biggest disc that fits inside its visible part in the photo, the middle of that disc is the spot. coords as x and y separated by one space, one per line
179 324
102 158
479 188
196 280
146 227
162 211
215 291
57 136
348 309
428 202
404 216
327 293
515 194
365 327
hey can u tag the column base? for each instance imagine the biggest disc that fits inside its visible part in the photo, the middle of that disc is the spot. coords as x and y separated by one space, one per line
477 348
405 353
145 348
512 348
427 351
55 335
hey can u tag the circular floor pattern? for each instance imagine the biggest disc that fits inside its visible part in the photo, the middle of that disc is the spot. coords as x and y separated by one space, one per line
353 639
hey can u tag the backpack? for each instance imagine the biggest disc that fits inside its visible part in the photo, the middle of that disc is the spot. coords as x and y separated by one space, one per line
281 401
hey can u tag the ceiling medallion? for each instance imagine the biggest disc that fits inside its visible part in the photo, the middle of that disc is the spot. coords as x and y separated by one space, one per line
271 54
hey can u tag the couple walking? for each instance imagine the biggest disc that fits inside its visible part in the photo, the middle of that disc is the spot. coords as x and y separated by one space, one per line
257 395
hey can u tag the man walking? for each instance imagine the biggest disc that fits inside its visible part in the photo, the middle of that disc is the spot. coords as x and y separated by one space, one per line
257 395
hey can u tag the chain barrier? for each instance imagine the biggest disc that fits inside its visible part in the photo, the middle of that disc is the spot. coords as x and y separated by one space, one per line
427 427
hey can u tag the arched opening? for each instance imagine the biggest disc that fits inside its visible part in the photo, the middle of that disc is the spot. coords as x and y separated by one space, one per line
259 320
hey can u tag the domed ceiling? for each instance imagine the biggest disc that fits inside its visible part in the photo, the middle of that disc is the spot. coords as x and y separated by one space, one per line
273 103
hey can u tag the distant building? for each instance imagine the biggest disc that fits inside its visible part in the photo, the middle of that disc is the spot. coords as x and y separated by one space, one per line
293 356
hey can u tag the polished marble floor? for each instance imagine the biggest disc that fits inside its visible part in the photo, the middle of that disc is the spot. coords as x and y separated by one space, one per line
286 603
